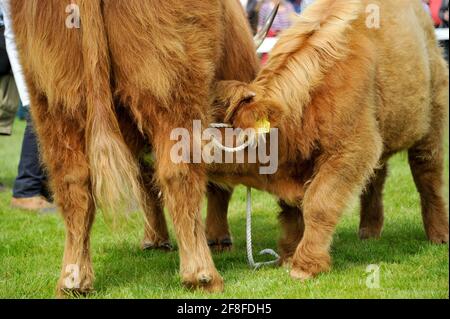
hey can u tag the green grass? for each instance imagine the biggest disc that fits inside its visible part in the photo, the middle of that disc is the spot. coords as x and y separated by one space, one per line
31 248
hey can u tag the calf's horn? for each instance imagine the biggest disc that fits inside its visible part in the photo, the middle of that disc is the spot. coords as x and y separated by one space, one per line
261 36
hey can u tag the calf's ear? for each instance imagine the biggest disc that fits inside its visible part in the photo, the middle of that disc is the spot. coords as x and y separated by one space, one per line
230 95
240 100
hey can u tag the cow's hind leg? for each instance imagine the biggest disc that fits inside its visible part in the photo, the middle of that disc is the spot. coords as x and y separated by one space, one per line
426 159
183 186
372 214
427 166
156 235
63 150
217 229
291 220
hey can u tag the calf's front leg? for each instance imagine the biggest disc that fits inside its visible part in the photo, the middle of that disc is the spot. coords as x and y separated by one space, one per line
339 177
217 229
156 234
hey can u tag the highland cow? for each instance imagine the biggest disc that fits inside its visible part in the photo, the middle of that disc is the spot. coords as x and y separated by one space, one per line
104 93
345 95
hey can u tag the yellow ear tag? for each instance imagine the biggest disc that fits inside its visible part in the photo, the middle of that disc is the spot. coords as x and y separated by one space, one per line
263 126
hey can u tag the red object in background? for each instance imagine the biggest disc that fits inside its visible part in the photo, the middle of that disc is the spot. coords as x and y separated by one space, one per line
435 6
265 56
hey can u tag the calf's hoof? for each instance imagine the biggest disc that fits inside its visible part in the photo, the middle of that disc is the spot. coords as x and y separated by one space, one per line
162 246
65 293
220 245
285 262
438 237
307 268
301 275
210 282
76 285
85 289
369 233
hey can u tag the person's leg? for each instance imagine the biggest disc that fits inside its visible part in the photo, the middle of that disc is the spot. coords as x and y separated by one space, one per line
5 67
30 175
30 185
22 112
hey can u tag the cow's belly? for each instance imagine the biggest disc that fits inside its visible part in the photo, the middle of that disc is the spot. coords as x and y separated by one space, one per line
404 115
288 183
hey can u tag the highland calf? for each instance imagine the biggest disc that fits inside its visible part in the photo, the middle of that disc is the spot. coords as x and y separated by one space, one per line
345 96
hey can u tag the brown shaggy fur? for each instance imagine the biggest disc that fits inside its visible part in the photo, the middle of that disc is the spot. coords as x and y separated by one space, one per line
133 72
345 98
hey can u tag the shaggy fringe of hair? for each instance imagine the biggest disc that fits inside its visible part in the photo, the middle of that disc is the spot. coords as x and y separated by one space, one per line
114 171
308 50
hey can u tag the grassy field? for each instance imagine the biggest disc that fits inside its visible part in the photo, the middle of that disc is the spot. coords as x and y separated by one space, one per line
31 248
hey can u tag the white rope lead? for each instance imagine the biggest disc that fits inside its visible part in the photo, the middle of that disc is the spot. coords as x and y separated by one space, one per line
220 125
251 260
224 148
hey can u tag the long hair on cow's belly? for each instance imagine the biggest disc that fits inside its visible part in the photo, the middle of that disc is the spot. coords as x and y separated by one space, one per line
114 170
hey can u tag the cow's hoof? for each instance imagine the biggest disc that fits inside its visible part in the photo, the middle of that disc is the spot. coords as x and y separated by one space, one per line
66 293
222 245
307 267
301 275
207 281
286 262
369 233
164 246
439 238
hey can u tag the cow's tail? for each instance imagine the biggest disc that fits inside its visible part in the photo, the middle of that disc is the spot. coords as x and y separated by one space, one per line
114 170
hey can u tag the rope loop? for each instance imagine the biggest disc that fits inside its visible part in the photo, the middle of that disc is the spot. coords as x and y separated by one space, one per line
251 261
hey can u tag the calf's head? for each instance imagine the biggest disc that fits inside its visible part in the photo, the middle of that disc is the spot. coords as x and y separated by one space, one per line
246 106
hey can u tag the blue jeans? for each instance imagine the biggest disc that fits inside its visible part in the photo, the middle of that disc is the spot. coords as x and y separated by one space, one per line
31 180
